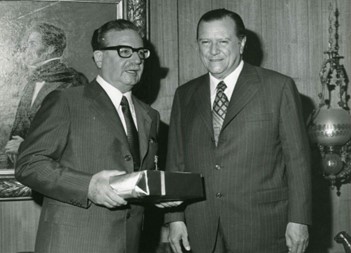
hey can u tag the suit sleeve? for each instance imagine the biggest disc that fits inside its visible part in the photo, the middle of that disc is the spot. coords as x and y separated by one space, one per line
38 164
175 158
296 151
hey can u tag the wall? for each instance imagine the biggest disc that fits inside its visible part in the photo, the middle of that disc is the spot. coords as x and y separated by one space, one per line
288 36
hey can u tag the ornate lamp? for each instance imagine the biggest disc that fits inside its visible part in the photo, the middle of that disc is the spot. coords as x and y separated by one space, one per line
330 124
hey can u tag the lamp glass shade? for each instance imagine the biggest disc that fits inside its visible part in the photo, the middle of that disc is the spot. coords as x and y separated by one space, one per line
330 127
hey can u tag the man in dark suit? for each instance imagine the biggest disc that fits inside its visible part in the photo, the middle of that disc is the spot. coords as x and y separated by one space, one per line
241 127
83 135
42 55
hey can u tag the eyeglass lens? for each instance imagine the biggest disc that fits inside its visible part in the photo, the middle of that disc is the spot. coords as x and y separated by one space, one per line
126 52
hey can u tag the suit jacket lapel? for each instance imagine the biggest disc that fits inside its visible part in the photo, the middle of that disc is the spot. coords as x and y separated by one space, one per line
103 108
245 89
202 100
144 123
44 91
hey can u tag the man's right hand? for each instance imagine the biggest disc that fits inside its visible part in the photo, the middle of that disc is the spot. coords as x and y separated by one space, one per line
178 232
101 193
12 146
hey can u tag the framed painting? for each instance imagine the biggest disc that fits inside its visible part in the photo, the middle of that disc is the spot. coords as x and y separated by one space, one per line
77 19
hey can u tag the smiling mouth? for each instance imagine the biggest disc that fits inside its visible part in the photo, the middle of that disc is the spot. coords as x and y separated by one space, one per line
132 71
215 60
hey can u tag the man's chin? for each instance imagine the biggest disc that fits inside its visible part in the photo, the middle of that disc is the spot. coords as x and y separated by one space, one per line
132 79
216 71
216 68
129 84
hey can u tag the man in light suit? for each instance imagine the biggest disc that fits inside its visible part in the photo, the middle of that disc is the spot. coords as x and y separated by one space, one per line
79 138
241 127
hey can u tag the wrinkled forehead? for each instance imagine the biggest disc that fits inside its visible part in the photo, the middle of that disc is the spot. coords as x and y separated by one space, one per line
224 27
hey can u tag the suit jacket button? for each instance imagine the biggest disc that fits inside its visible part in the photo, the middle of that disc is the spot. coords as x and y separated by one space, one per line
218 167
219 195
127 157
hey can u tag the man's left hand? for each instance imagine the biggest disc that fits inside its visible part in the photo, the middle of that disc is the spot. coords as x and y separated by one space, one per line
169 204
296 237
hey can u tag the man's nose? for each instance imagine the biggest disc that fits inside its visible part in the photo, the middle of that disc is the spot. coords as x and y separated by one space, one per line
136 58
214 48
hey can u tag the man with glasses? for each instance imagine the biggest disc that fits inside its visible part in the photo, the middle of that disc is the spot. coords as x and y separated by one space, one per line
80 138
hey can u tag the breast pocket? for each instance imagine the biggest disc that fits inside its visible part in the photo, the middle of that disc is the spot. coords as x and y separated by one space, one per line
151 155
259 117
153 146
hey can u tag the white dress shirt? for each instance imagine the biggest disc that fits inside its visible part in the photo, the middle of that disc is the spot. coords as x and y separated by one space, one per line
116 96
39 85
229 80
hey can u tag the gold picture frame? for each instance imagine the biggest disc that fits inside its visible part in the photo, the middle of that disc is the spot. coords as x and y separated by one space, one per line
18 13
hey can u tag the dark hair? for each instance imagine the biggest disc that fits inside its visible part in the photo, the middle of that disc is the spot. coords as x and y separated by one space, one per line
51 36
220 14
98 40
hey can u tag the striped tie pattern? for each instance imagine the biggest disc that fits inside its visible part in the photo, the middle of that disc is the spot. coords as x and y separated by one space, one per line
220 106
132 133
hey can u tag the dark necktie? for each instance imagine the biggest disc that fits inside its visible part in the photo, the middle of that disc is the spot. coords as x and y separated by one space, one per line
220 106
132 133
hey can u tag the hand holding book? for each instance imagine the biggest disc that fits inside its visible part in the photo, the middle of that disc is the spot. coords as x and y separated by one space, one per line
158 186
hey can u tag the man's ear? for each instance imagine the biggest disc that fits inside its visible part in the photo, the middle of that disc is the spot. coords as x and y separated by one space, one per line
98 56
242 45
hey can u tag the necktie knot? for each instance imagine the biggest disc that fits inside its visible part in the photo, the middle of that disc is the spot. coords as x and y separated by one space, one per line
221 86
124 103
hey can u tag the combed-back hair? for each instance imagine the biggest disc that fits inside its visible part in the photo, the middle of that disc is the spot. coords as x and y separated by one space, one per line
51 36
99 41
218 14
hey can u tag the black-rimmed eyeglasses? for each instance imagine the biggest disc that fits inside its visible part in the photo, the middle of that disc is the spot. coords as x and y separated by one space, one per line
127 51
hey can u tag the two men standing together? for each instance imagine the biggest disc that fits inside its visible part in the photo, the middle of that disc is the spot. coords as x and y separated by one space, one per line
240 126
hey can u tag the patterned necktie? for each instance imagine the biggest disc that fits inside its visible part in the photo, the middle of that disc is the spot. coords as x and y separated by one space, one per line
220 106
132 133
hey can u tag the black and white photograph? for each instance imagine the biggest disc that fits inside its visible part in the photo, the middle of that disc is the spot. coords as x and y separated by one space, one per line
174 126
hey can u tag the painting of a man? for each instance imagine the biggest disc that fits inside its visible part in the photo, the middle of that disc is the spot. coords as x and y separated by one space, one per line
42 55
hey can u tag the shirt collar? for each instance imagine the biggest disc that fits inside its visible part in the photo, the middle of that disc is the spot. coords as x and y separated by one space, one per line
114 93
44 62
230 80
